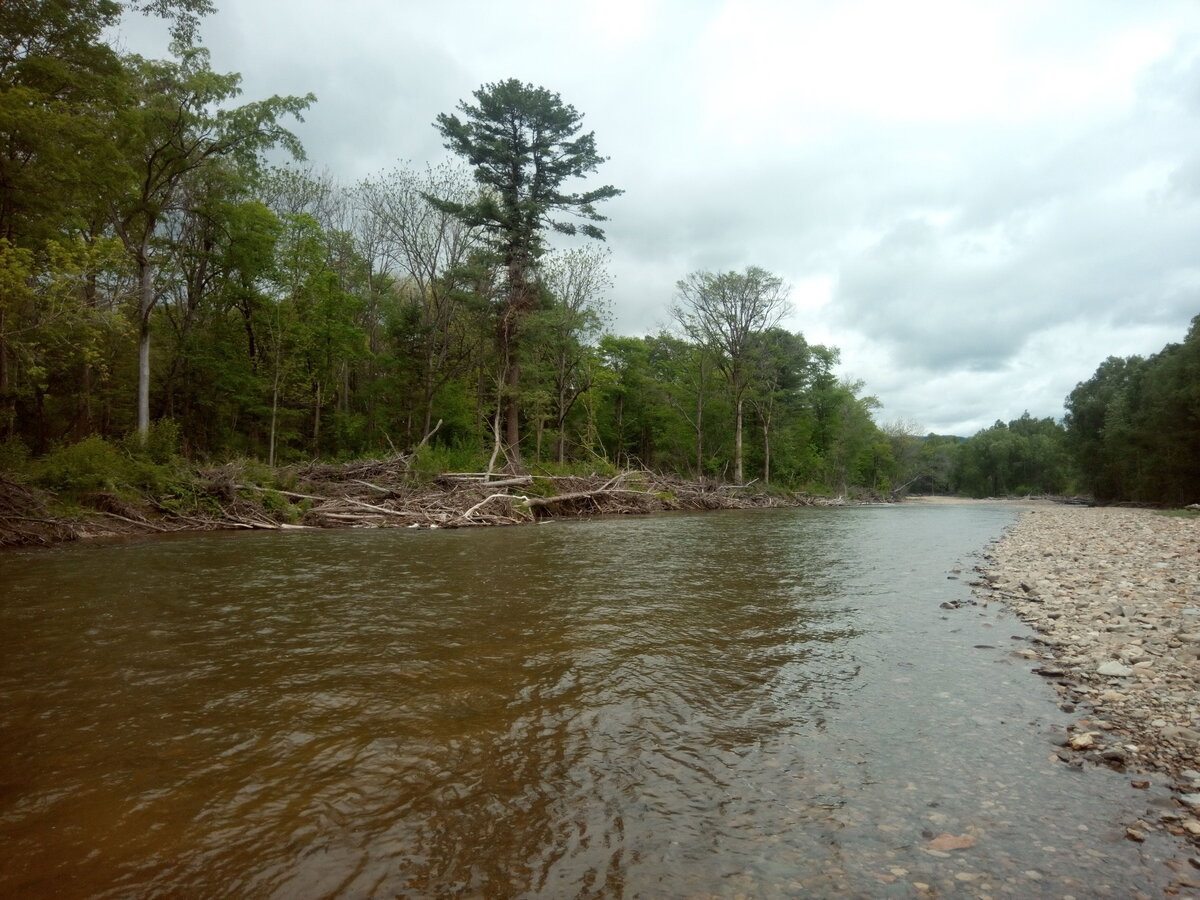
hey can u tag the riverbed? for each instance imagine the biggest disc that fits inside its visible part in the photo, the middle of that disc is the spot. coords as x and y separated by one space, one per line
770 703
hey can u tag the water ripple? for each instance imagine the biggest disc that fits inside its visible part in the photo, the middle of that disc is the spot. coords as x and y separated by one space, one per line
768 704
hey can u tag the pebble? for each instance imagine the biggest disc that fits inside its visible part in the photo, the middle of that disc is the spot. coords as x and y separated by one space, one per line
1113 596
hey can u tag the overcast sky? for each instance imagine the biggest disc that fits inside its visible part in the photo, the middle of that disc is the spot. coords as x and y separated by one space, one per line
977 202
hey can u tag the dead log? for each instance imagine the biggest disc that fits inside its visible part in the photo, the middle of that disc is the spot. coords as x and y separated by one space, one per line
263 490
372 506
579 495
140 523
373 487
486 500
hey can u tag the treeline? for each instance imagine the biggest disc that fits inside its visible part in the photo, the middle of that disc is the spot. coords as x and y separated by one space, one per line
1134 426
153 268
1131 434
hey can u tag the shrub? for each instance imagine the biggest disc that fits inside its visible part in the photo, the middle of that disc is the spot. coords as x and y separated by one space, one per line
161 444
14 455
91 465
94 464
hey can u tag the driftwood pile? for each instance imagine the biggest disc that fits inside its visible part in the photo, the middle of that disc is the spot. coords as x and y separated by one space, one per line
382 495
24 519
372 494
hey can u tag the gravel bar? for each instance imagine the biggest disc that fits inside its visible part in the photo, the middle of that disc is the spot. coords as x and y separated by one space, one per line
1114 596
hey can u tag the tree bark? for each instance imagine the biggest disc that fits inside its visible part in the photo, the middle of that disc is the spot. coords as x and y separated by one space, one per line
737 441
512 414
766 451
146 306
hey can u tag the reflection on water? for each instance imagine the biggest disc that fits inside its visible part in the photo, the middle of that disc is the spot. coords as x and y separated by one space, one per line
769 703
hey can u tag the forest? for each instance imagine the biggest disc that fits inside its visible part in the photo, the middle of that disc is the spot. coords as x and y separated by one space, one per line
171 287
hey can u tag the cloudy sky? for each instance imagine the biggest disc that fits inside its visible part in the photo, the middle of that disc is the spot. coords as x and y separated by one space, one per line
977 202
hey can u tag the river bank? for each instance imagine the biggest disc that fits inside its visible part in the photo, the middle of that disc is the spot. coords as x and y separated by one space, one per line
365 494
1114 596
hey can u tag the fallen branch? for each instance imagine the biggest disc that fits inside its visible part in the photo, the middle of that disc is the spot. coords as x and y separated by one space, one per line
425 440
373 487
350 517
509 482
580 495
486 500
381 509
140 524
263 490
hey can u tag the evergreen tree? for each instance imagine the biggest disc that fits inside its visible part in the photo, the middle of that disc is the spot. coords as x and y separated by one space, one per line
523 143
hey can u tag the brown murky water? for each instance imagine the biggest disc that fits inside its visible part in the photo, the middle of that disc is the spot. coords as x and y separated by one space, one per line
768 704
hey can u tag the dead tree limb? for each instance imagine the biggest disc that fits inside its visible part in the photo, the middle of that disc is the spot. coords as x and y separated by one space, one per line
380 509
373 487
580 495
486 500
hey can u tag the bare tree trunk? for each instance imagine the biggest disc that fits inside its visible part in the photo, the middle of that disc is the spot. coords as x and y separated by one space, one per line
497 444
8 416
146 288
316 448
766 427
512 414
737 441
620 429
274 417
429 394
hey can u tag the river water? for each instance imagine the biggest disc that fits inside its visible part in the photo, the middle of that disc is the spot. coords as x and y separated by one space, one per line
765 704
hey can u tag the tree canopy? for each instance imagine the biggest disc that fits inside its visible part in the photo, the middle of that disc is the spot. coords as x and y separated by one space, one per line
726 313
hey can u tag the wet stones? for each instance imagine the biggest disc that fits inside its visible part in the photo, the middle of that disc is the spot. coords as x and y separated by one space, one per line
1114 596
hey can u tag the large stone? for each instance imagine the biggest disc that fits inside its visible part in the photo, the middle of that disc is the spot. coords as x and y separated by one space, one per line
1083 741
1179 733
1114 668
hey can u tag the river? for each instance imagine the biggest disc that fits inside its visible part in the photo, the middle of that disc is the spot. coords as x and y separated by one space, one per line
765 704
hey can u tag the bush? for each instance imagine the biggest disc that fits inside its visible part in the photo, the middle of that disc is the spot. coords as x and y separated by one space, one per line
91 465
161 445
94 464
427 462
585 468
14 455
430 460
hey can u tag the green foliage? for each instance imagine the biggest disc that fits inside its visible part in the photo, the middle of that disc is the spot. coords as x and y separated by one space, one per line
582 468
1134 426
94 464
729 315
430 460
523 143
160 445
14 455
1026 456
426 463
294 318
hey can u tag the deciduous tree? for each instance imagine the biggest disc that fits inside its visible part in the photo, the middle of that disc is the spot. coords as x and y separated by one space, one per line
177 124
726 312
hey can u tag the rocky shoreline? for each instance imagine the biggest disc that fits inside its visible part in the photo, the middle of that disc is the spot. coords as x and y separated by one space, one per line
1114 596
